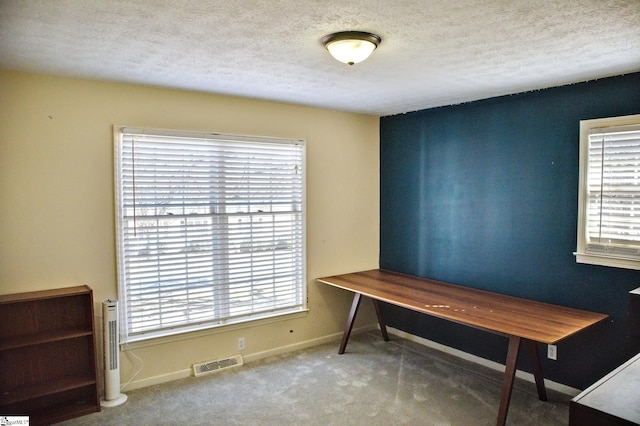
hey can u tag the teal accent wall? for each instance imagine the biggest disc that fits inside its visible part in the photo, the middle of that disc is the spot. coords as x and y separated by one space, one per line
485 194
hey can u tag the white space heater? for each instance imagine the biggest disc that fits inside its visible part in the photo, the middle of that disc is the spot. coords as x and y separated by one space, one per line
111 350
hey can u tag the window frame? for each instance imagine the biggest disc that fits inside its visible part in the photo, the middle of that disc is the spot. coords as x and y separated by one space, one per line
582 254
213 324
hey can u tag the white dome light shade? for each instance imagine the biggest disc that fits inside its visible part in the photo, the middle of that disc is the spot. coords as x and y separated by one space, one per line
351 47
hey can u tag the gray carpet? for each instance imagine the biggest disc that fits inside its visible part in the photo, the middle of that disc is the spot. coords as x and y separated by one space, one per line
374 383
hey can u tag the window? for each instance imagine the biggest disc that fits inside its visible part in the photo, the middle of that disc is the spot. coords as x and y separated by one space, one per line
210 229
609 193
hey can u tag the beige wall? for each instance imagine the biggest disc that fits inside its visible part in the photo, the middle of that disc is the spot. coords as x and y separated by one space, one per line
57 209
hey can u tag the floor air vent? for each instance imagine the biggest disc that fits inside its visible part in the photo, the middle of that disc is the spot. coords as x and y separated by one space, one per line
217 365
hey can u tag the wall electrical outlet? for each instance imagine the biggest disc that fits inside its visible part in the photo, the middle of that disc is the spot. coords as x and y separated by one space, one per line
241 343
552 352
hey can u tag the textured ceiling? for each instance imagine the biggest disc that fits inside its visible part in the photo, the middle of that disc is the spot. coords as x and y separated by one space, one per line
433 52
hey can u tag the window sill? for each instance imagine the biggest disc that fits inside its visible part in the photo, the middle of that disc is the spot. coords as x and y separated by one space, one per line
615 262
149 340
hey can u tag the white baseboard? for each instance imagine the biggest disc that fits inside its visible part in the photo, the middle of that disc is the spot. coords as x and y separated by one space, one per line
181 374
156 380
306 344
558 387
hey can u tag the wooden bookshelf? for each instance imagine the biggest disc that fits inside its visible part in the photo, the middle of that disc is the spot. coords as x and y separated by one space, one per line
48 355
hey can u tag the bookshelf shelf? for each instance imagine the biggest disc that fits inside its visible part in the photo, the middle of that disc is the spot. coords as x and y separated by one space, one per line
48 355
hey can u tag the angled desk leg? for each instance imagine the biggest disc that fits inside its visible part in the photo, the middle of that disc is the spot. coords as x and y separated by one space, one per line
357 297
510 372
383 327
537 370
509 375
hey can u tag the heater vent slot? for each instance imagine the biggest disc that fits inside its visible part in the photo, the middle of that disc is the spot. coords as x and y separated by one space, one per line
113 345
209 367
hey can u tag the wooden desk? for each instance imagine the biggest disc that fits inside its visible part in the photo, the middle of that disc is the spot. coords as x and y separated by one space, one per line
518 319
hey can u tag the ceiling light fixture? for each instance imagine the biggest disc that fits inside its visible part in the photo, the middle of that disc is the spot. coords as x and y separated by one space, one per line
351 47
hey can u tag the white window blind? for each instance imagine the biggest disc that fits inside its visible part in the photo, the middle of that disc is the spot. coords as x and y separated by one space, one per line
611 223
210 229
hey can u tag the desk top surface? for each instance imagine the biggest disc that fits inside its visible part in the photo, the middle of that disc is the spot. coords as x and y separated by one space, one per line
617 394
494 312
